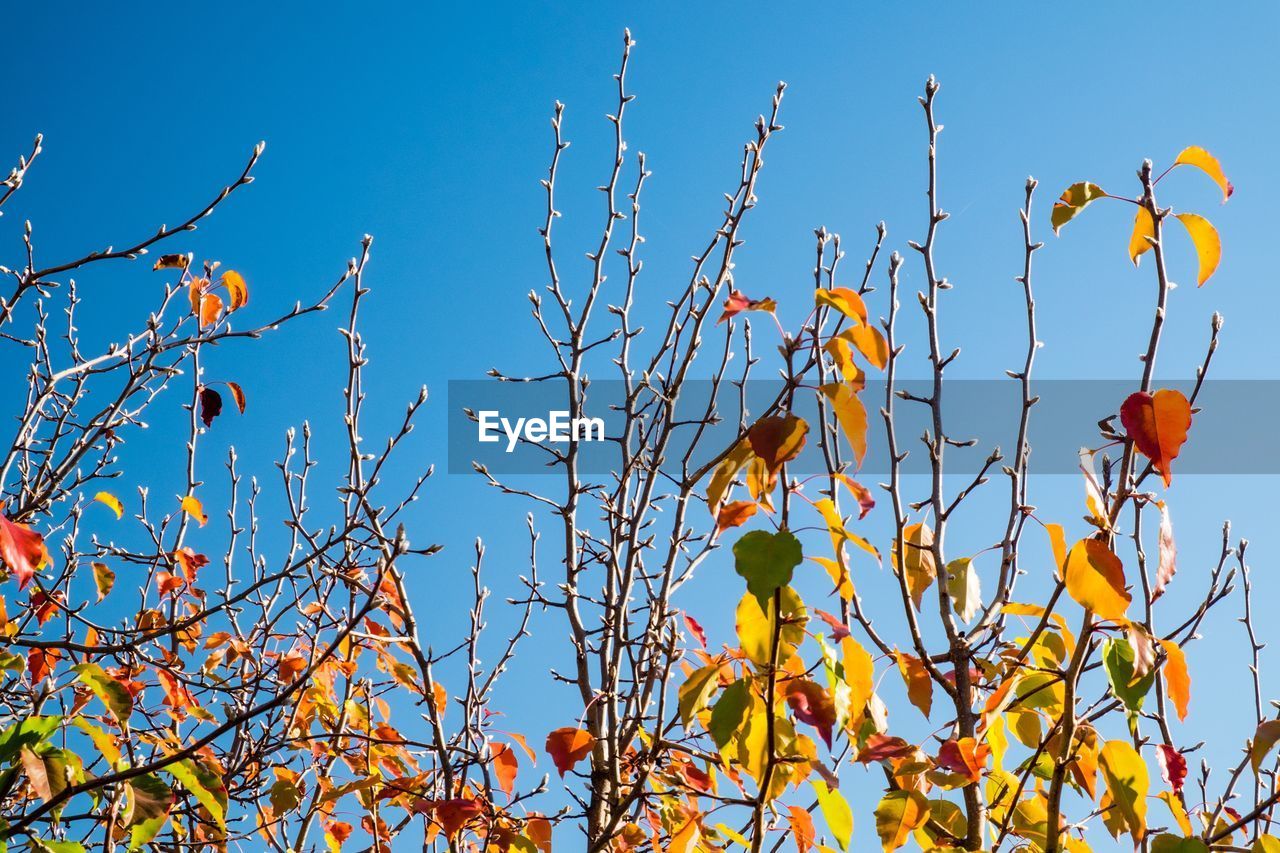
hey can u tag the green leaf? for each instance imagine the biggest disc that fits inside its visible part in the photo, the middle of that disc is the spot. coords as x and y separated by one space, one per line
1074 199
729 712
1118 661
112 693
899 814
696 692
285 797
836 812
1166 843
28 733
56 846
205 786
767 561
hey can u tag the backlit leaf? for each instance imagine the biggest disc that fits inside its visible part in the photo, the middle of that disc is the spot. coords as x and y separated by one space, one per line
191 506
110 500
836 813
844 300
1074 199
237 395
203 784
1207 163
729 712
722 476
754 625
1177 678
112 693
1158 424
104 579
766 560
812 706
1168 553
1143 227
1131 689
899 814
965 587
918 565
1263 739
505 766
1173 766
1166 843
735 514
149 802
778 439
850 414
237 291
919 683
1095 579
696 692
567 746
1125 774
1207 242
739 302
22 550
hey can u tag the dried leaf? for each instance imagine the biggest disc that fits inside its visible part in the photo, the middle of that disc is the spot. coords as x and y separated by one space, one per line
1158 424
237 291
739 302
210 405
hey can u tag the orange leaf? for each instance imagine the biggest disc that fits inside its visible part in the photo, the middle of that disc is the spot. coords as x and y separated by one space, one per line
802 829
1143 227
195 292
870 343
1095 579
567 746
850 414
965 757
1158 424
22 550
1176 677
844 300
505 766
739 302
210 308
919 684
237 394
192 507
236 289
734 515
454 814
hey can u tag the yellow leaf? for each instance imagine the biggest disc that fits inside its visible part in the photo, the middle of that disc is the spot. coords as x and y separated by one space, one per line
918 564
722 476
1207 242
104 579
112 501
899 814
755 627
1074 199
1125 773
236 289
1058 542
1176 677
869 342
1178 811
1207 163
192 507
859 674
840 535
1143 227
850 414
836 812
1095 579
844 300
841 352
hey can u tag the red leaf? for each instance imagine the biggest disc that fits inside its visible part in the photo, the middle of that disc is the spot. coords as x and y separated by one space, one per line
964 757
739 302
1173 767
696 630
838 629
567 746
22 550
44 605
883 748
40 663
210 405
813 706
1158 425
452 815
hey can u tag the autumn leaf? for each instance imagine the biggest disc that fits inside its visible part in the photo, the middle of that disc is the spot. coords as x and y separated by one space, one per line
965 587
803 831
192 507
1158 424
766 560
844 300
919 683
836 812
237 396
210 308
112 693
696 692
778 439
882 747
1168 553
850 414
739 302
1074 199
735 514
964 757
210 405
1176 677
1207 163
22 550
109 500
1125 774
454 814
1207 242
1263 739
104 579
722 476
729 712
812 705
1144 231
172 262
899 814
1173 766
237 291
918 566
1095 579
505 765
567 746
868 341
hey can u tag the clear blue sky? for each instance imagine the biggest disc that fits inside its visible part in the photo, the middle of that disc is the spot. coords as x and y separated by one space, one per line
428 128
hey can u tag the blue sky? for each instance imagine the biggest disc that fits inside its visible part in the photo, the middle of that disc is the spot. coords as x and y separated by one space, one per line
428 128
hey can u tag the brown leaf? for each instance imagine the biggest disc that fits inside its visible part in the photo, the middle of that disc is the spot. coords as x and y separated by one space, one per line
237 395
778 439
